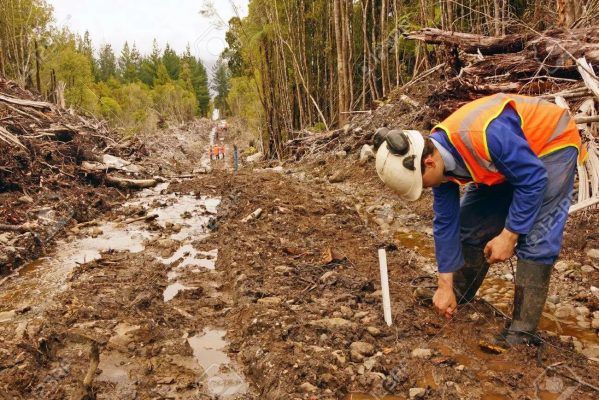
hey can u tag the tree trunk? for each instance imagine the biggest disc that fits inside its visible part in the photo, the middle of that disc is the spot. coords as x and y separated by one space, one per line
568 11
341 62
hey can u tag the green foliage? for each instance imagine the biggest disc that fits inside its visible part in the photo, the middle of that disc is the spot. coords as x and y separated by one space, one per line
162 75
130 90
172 62
129 64
244 102
174 101
23 24
221 84
110 109
106 63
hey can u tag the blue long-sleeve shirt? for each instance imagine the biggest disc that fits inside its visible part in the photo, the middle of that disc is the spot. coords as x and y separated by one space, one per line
513 158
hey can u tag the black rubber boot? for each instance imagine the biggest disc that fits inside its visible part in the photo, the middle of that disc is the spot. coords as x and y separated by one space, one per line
467 280
532 285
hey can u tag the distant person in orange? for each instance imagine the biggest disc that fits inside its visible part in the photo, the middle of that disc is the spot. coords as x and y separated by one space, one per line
215 153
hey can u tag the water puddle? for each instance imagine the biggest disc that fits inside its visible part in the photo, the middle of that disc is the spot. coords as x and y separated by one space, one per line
480 363
416 241
500 293
190 257
220 375
115 368
187 218
44 278
173 290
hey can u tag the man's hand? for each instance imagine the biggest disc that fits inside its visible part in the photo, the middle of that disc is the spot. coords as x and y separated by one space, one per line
501 248
444 299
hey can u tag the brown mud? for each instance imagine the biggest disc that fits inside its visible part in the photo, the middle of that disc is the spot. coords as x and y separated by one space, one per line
193 303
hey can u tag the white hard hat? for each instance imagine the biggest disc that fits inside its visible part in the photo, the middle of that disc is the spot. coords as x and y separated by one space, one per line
400 170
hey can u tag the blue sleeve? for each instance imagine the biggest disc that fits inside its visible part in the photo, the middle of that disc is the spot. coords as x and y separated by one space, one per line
446 227
514 159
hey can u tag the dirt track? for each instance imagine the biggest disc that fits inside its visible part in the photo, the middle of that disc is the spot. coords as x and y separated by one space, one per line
294 292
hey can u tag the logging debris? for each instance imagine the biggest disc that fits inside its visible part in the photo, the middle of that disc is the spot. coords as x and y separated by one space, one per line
555 65
58 161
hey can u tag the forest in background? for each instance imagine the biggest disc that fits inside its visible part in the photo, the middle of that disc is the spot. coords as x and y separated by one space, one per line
307 65
134 92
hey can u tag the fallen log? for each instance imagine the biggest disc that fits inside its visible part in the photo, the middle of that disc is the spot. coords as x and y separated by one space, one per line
554 51
560 41
28 103
471 43
587 120
131 183
26 227
9 138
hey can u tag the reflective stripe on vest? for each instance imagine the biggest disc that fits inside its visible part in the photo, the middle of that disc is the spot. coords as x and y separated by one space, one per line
546 127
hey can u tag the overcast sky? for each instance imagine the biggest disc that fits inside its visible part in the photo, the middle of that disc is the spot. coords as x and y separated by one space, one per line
177 22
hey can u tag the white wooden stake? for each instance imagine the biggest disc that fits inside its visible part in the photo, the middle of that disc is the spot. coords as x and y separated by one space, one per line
385 287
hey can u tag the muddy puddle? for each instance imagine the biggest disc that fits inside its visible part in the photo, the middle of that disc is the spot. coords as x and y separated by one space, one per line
575 325
185 218
220 375
44 278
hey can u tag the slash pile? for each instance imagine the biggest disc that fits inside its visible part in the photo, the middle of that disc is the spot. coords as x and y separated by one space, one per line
48 159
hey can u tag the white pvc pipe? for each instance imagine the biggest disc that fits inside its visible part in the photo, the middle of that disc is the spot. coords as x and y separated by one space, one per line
385 286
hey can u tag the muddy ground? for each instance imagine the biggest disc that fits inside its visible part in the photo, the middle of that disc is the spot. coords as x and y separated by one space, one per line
203 300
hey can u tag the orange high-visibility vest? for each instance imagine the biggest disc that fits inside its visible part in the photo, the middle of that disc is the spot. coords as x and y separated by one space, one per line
546 127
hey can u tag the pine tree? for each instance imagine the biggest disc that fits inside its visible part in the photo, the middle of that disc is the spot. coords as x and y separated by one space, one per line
172 62
86 48
162 76
128 64
106 63
149 65
221 84
199 79
185 78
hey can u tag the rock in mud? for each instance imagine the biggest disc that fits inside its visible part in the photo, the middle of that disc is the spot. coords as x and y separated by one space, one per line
25 199
373 330
553 384
307 387
587 269
417 393
422 353
338 177
594 254
554 299
270 301
360 350
329 278
592 352
341 154
166 243
366 154
283 269
561 266
334 323
582 310
564 311
340 357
